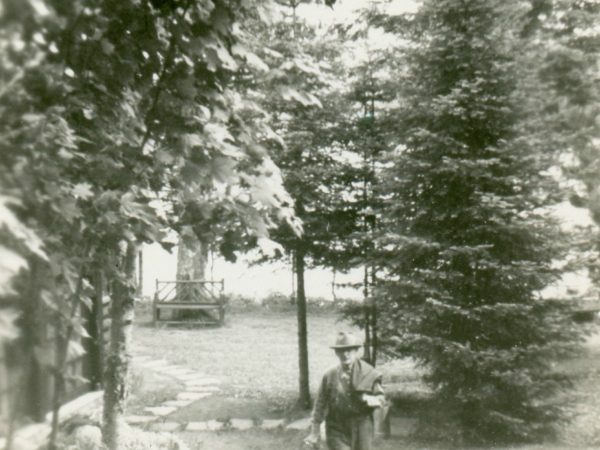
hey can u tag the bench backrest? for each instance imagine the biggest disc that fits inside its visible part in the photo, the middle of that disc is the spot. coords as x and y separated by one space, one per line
192 291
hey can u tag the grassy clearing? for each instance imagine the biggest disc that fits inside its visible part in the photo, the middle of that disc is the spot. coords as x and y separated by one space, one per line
255 356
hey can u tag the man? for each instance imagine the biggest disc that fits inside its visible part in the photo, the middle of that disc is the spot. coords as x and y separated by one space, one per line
347 396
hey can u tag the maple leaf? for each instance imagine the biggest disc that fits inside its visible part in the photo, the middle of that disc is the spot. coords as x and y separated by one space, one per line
18 229
10 264
82 190
8 328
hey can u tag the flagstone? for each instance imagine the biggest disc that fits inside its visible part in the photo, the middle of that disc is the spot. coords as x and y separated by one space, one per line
302 424
241 424
174 371
214 425
138 419
191 376
196 426
202 381
192 395
177 403
208 389
269 424
165 426
157 363
160 410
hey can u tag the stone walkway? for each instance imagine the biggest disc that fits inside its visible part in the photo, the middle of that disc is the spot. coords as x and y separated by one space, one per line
196 387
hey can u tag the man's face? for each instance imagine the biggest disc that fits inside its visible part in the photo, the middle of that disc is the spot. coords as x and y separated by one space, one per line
347 355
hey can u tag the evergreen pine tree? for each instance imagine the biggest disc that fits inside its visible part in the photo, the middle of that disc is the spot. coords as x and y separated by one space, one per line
465 244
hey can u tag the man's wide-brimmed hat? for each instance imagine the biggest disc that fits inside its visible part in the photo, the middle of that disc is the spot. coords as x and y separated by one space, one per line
346 340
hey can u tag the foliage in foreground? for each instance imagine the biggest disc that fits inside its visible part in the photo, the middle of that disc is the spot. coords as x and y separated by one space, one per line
88 437
121 123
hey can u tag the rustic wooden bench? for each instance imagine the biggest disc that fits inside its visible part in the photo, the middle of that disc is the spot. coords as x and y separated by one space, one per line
205 297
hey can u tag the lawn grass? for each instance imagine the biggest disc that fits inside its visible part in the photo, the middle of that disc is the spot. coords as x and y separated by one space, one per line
255 354
223 408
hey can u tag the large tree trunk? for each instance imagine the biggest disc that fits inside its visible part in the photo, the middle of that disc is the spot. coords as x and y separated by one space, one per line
192 259
117 361
192 262
304 400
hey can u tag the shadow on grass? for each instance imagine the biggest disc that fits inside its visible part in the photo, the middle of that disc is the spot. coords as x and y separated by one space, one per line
223 408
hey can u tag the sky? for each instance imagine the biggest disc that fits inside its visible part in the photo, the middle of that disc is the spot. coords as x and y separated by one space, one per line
243 279
346 10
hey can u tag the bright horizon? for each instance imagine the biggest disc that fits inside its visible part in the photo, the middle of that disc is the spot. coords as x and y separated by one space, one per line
259 281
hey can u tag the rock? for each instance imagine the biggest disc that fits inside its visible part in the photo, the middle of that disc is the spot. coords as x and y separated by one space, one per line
177 403
302 424
269 424
137 439
136 420
165 426
160 410
88 437
214 425
202 381
201 388
192 395
241 424
196 426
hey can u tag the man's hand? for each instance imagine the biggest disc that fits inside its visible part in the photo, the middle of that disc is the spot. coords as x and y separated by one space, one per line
374 401
312 440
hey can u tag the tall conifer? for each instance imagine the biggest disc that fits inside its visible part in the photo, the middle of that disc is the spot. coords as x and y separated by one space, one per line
465 244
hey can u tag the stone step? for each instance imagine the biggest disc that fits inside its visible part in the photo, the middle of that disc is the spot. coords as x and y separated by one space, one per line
208 389
177 403
160 410
301 424
215 425
165 426
196 426
139 419
192 395
241 424
203 381
174 370
269 424
191 376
